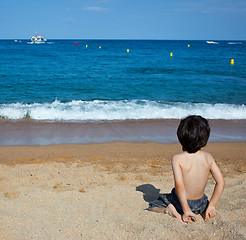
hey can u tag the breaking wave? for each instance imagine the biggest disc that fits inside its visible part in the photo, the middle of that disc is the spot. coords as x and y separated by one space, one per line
118 110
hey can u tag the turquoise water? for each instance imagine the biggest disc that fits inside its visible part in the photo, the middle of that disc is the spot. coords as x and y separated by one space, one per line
64 82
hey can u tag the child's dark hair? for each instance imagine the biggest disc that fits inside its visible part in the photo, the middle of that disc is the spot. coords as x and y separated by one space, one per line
193 133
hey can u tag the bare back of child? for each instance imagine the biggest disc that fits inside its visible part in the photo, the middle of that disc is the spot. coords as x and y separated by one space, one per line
191 171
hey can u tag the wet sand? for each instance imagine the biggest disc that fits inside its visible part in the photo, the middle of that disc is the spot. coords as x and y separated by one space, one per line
30 132
101 191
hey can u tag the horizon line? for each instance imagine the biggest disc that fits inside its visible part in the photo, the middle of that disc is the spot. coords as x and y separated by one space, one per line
144 39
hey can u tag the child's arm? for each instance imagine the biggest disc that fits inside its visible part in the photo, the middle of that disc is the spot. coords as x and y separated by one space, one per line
188 215
218 189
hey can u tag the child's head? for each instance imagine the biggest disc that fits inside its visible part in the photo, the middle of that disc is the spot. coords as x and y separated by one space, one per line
193 133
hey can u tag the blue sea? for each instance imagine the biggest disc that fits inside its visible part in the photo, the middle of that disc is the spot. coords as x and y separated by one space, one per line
120 80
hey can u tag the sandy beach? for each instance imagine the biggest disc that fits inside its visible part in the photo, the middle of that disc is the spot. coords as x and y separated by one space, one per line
101 191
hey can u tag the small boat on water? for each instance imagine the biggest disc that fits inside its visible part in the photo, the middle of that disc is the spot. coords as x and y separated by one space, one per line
38 39
212 42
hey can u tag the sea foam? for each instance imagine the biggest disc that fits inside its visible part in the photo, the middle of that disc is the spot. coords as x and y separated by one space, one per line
118 110
234 43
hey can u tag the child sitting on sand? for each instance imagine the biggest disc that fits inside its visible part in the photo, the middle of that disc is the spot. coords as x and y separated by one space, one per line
191 171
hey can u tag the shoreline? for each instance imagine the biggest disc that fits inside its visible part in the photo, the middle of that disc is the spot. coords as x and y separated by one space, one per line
29 132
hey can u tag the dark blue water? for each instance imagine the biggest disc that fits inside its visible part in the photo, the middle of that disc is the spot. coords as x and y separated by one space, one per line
62 81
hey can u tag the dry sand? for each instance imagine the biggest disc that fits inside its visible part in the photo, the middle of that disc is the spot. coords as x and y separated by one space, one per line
101 191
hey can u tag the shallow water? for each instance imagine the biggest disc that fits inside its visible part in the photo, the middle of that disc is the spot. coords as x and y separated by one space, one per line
62 81
63 93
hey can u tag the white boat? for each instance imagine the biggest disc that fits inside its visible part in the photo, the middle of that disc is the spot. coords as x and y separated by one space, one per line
212 42
38 39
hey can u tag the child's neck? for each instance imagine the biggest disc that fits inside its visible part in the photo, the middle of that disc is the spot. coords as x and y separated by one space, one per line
199 151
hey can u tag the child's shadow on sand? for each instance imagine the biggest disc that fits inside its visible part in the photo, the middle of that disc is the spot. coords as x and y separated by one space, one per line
150 193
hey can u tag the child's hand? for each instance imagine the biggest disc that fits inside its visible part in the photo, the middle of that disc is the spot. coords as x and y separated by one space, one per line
210 212
189 217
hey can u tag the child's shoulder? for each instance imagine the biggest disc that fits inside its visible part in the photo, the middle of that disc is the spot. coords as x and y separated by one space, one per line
178 157
200 154
207 155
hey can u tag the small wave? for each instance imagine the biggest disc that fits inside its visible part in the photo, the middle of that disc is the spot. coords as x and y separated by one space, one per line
234 43
118 110
41 43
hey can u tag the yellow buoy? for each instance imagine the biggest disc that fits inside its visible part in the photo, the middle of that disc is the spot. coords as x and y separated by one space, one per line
188 45
86 45
100 47
232 61
171 54
127 50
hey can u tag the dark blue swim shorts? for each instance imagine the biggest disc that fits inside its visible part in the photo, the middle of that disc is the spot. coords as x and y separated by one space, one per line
197 206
